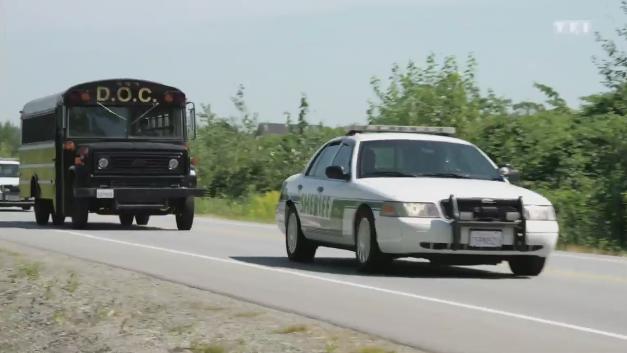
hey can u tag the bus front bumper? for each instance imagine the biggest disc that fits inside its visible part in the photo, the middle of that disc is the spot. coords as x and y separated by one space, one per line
138 194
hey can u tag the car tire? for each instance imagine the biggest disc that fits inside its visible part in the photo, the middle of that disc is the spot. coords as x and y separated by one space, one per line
126 220
367 252
142 219
26 208
298 247
185 214
80 213
527 265
42 211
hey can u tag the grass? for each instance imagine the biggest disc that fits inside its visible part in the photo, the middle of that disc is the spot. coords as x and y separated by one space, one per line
373 349
589 249
258 207
29 271
247 314
72 283
291 329
197 347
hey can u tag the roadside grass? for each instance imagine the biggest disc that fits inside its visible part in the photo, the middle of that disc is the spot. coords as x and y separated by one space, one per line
373 349
30 271
199 347
257 207
590 250
247 314
291 329
72 283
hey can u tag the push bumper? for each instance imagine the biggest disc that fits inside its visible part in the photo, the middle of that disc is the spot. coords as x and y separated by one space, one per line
441 236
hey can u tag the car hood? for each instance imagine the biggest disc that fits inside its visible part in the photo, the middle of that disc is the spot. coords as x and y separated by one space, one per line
436 189
9 181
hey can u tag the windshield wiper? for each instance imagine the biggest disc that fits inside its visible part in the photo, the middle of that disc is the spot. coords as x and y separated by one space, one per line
144 114
445 175
390 173
111 111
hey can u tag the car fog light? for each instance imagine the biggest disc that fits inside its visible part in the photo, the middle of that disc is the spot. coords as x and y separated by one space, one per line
173 164
103 163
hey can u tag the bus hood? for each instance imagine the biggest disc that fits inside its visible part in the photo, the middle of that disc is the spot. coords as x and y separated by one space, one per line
436 189
134 146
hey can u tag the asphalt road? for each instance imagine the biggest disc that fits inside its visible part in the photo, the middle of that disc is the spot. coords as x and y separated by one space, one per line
579 304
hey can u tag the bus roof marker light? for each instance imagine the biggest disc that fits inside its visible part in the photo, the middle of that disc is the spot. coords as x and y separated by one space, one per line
85 96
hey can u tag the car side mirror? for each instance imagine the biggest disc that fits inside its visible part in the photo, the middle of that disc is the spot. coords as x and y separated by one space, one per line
509 172
336 172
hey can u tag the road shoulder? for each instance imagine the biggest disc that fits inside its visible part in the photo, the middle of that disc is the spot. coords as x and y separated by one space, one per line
57 303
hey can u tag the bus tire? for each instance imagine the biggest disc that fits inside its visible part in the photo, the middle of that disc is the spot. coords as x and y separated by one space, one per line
80 213
58 220
126 220
26 208
142 219
42 211
185 214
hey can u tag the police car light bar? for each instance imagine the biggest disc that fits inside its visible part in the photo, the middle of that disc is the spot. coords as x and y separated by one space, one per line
432 130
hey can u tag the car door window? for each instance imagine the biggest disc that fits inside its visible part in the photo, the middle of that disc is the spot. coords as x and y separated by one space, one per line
324 159
344 157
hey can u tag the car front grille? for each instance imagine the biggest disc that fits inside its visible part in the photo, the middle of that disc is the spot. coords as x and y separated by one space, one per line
484 210
447 246
140 163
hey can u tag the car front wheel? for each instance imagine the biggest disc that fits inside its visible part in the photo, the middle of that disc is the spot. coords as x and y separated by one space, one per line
369 256
298 247
527 265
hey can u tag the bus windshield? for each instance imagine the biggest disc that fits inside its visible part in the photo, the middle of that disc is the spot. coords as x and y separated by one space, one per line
9 170
136 121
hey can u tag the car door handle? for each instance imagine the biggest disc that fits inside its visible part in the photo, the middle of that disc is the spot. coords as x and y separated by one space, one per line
320 189
300 187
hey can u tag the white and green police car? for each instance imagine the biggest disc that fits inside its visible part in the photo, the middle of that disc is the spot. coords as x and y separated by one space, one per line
10 185
394 191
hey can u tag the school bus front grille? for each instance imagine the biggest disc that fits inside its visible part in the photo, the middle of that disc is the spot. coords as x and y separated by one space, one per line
146 163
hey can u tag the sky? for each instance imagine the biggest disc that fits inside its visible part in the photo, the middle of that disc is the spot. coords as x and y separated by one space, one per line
280 49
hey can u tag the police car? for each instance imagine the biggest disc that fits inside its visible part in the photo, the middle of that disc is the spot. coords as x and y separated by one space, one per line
9 185
394 191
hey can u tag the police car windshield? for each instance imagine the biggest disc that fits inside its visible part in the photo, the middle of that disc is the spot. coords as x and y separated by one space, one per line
138 121
416 158
8 170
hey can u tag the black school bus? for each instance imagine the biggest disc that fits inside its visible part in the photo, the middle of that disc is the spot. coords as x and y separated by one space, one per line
109 147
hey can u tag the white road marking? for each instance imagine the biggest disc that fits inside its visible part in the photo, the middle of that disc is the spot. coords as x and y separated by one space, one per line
617 260
357 285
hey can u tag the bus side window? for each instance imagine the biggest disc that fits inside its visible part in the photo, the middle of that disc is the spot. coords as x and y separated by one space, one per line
39 128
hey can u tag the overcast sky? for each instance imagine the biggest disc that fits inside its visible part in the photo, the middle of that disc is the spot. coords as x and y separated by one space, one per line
328 49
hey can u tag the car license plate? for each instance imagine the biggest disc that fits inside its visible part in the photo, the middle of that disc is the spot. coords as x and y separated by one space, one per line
104 193
486 238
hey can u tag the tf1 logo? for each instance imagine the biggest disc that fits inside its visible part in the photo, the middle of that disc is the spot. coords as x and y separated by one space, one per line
572 27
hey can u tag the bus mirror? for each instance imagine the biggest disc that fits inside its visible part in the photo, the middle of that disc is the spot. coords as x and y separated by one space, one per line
191 120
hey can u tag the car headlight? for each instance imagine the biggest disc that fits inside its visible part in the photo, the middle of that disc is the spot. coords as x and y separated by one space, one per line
539 213
410 209
103 163
173 164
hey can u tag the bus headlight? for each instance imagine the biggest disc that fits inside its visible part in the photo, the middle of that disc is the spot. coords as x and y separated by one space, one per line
539 213
103 163
410 209
173 164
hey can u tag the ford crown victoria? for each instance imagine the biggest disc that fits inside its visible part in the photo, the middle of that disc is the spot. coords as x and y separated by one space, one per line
390 192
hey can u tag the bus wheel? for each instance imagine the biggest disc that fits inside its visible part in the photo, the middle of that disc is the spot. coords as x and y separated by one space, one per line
142 219
80 213
126 220
57 219
185 214
26 208
42 211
